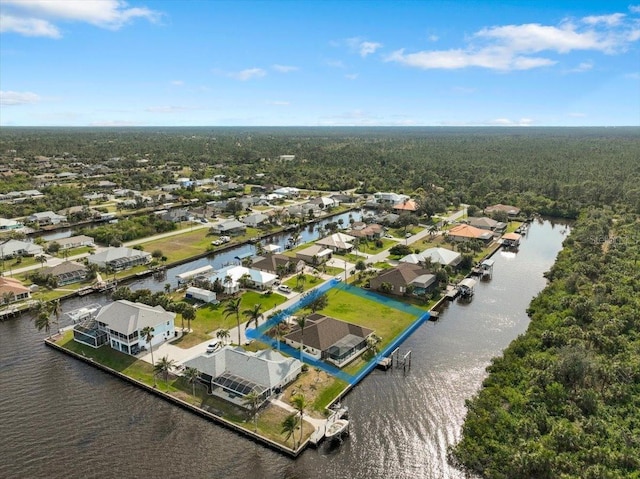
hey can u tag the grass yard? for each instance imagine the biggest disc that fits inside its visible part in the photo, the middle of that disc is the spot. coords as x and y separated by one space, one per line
180 246
387 322
370 247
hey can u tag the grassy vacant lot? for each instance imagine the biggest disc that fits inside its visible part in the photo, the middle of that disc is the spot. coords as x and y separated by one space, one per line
180 246
387 322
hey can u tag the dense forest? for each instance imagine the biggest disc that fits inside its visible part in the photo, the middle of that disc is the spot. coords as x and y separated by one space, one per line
554 171
564 399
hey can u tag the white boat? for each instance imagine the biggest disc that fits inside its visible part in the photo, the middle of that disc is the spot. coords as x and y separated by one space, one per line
336 428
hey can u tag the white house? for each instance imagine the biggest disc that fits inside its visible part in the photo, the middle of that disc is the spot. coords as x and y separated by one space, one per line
123 321
46 218
254 220
9 224
12 248
232 373
237 274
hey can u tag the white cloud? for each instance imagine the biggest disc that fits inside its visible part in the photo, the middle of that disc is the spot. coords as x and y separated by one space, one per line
634 8
363 48
613 19
582 67
279 103
37 17
284 68
433 38
29 27
248 74
520 47
18 98
351 76
177 82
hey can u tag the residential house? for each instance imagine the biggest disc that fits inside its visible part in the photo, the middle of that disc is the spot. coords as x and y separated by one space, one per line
176 215
73 242
330 339
277 264
233 373
123 322
302 211
118 259
67 272
489 224
323 202
389 199
442 256
234 277
14 248
287 192
229 227
46 218
341 199
388 219
403 278
9 224
337 242
12 290
315 254
368 231
467 233
406 206
255 220
508 209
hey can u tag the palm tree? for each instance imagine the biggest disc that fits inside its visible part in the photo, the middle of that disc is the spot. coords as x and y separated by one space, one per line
227 281
223 335
301 321
300 403
278 333
301 278
147 335
289 426
167 288
56 310
320 302
43 321
164 366
42 259
254 315
233 308
189 313
252 402
192 375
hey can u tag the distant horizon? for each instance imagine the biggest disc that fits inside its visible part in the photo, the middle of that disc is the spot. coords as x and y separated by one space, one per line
151 63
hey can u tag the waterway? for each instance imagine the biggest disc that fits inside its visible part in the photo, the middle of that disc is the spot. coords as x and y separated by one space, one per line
63 419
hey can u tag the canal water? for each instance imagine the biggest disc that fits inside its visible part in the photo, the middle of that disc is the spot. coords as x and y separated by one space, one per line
63 419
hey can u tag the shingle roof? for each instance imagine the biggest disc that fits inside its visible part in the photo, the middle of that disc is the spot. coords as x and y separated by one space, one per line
126 317
322 332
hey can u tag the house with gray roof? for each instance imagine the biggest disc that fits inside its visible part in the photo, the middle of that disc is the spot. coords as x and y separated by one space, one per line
442 256
13 248
403 278
67 272
229 227
45 218
255 219
123 322
329 339
119 258
337 242
232 373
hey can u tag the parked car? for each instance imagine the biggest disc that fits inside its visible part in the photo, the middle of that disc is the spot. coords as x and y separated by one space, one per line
213 347
284 288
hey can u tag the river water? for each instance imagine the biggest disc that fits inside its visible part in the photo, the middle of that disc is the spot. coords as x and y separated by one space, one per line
60 418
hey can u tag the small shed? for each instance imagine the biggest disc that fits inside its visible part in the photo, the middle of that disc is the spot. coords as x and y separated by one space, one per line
200 294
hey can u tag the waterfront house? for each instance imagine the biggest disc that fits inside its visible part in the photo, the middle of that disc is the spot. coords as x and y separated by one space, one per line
467 233
12 290
118 259
73 242
489 224
255 220
368 231
234 277
388 198
442 256
275 263
232 373
329 339
323 202
406 206
46 218
314 254
229 227
176 215
9 224
403 278
67 272
123 322
14 248
508 209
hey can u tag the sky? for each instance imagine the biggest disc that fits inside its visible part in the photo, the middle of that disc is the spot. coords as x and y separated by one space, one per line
319 63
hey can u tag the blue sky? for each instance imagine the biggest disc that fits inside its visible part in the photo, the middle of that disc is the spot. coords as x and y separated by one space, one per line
319 63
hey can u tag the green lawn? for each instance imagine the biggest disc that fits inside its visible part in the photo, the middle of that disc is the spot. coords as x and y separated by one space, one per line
387 322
